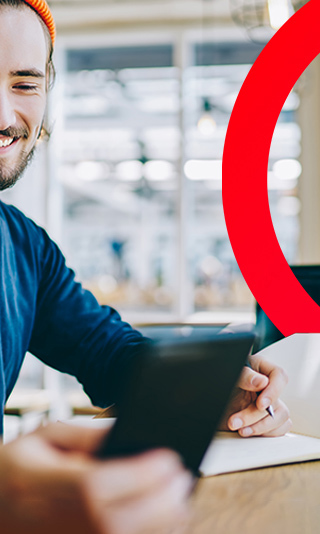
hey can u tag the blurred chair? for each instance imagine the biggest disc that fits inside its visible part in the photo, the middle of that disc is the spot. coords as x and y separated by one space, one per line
80 404
267 333
29 408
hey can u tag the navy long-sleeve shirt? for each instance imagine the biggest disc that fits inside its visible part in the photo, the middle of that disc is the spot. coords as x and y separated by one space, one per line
43 310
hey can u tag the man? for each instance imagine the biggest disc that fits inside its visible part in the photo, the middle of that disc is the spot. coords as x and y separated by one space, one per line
50 479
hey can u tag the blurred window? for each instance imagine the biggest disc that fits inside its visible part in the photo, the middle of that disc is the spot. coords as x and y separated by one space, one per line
141 146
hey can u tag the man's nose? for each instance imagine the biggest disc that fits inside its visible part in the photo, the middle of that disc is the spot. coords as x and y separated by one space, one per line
7 113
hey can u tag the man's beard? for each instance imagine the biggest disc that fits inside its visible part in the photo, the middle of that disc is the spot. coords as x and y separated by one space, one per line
9 176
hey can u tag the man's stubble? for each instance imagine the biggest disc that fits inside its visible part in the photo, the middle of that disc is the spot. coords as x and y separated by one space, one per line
10 176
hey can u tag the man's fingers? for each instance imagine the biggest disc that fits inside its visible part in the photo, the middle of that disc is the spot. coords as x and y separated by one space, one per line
251 380
277 381
163 508
247 417
281 431
74 438
144 494
105 479
268 424
44 480
132 476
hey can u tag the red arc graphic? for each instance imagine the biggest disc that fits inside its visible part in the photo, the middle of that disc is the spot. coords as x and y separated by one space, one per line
245 168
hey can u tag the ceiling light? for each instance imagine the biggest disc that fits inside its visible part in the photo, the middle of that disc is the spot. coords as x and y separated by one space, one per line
279 12
91 171
206 124
287 169
130 171
158 170
203 169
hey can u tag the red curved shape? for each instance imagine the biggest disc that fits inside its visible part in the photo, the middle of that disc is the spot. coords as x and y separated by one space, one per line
245 168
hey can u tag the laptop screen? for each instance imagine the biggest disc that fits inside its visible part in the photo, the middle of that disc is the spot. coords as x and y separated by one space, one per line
267 333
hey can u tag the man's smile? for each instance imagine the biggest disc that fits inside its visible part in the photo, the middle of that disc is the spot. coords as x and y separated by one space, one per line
6 143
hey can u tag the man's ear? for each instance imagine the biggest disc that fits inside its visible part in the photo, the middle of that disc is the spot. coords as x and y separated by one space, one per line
47 78
40 130
44 133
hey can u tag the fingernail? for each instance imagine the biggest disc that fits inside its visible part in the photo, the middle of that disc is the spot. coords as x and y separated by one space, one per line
246 432
256 381
237 423
264 403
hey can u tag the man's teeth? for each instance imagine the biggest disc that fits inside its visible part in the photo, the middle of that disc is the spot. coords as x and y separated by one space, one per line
6 142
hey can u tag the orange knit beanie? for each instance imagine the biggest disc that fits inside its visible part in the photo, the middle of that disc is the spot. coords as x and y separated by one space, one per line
42 8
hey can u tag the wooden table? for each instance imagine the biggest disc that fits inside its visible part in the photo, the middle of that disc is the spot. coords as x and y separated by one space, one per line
277 500
274 500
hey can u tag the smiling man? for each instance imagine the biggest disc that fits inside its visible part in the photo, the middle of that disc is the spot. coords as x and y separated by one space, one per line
23 89
44 311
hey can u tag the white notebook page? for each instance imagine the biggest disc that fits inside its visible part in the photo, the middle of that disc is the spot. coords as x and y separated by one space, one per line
229 452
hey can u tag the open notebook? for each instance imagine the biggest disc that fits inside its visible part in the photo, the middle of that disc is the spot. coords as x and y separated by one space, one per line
299 355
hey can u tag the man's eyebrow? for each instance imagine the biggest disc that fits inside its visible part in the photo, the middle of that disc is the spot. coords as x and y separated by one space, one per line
27 73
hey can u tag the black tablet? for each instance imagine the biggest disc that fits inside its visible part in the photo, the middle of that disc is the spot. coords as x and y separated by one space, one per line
177 395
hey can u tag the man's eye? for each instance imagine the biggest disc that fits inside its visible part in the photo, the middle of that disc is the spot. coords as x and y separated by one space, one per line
25 87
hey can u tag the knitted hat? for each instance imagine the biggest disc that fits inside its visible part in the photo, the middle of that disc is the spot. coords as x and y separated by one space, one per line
42 8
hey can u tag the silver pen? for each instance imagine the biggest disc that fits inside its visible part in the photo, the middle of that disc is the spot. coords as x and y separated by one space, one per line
269 410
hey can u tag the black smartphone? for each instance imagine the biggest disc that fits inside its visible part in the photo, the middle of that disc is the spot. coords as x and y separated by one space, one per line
177 395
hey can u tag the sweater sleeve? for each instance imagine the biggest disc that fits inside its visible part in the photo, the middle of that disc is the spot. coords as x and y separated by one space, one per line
74 334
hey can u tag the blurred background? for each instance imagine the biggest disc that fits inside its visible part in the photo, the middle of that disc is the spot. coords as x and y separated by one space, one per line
130 183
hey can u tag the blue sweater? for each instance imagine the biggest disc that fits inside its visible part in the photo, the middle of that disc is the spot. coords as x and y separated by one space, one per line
44 311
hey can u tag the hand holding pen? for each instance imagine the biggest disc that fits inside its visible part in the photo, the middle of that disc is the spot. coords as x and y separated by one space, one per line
256 407
269 409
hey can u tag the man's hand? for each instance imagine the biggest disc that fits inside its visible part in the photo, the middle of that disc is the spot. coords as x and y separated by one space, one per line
247 411
50 482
